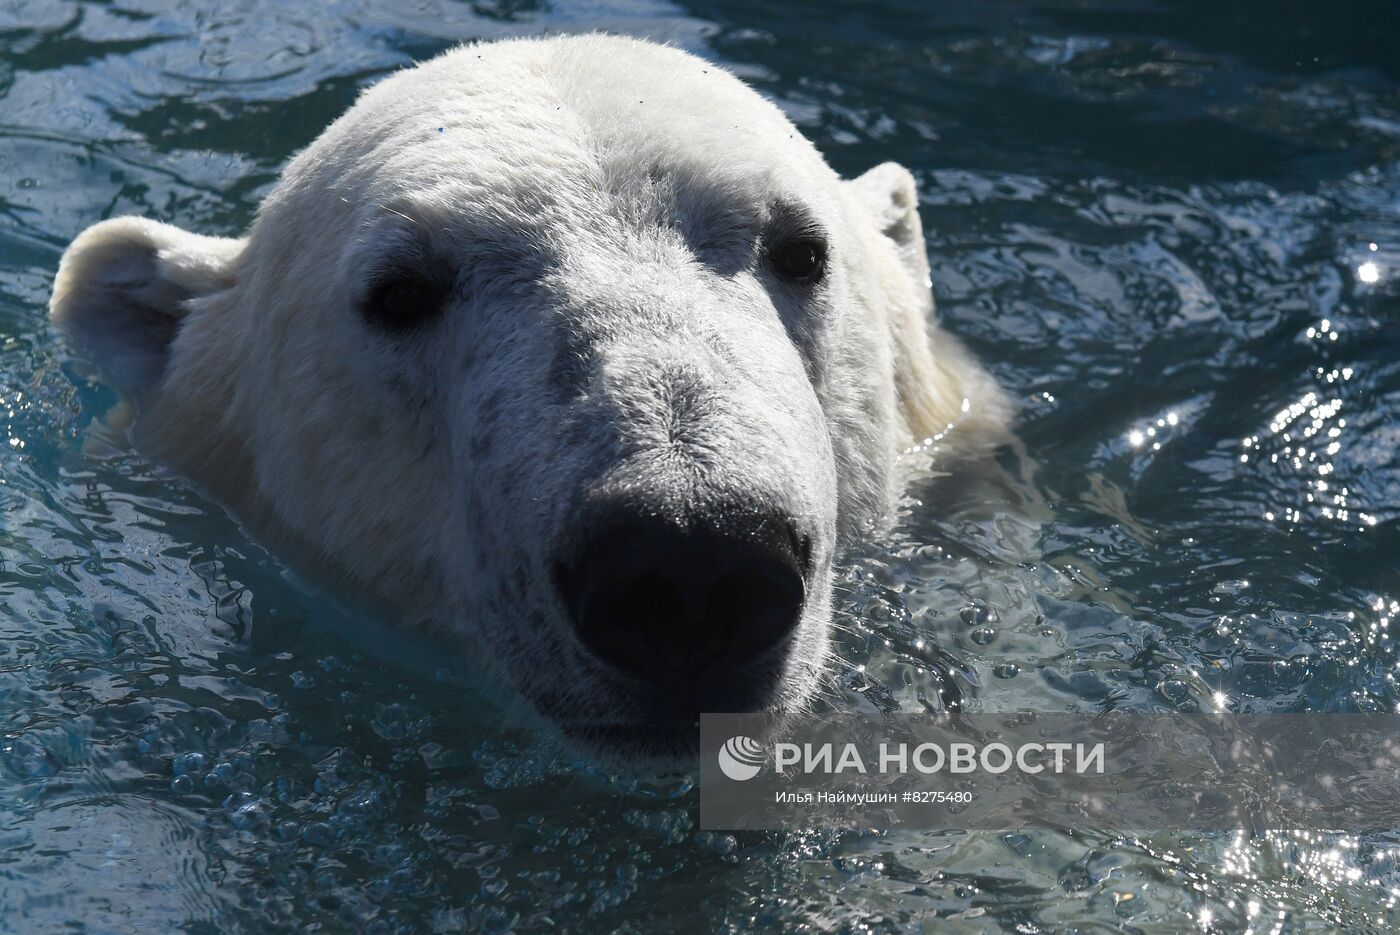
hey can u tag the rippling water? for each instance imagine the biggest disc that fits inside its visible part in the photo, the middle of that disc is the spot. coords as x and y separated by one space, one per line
1173 230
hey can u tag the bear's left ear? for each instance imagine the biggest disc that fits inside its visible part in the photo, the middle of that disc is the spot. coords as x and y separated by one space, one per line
938 383
123 288
888 194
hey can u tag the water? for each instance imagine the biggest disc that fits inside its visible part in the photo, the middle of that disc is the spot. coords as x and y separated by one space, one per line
1159 223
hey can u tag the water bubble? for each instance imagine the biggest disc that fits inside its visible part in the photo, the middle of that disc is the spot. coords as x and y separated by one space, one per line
250 817
361 802
1019 843
671 824
235 800
399 722
928 556
401 881
28 758
499 921
1173 690
258 730
672 786
712 841
983 636
389 855
318 834
878 611
1007 670
977 613
189 763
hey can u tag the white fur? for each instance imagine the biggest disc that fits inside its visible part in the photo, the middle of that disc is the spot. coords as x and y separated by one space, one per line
599 200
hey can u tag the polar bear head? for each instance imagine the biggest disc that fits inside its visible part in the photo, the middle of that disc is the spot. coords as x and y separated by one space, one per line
575 345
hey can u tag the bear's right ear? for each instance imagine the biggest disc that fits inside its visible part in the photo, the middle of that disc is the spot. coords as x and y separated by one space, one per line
123 288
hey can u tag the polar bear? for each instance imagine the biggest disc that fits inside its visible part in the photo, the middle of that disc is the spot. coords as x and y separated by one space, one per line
575 345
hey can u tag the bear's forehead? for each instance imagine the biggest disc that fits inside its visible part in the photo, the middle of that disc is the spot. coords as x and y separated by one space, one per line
534 124
524 156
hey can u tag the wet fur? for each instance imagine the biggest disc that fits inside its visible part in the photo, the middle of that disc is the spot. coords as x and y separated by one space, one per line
598 204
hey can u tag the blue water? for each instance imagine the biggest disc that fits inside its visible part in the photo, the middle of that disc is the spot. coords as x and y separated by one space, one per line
1173 231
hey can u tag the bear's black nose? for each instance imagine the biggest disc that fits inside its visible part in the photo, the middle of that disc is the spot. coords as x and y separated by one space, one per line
706 597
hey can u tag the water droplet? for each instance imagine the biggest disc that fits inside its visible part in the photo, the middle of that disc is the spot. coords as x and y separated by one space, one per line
1007 670
1019 843
189 763
983 636
250 817
927 556
319 834
499 921
977 613
1173 690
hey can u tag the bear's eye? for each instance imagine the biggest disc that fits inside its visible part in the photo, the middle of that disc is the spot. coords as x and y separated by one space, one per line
800 258
403 302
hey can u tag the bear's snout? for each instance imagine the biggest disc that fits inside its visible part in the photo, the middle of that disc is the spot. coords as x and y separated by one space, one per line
701 600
